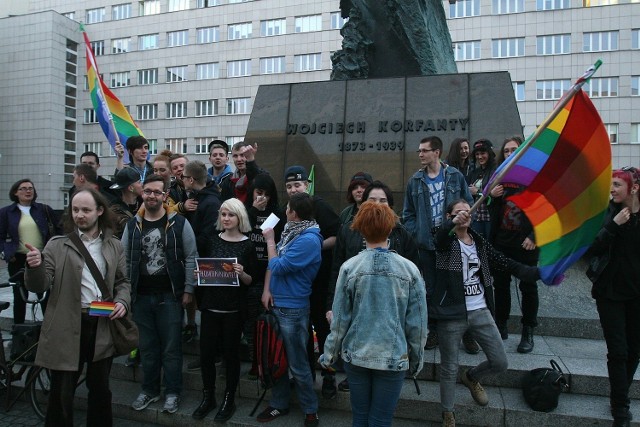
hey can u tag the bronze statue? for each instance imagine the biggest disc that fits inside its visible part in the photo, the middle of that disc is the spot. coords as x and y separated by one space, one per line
391 38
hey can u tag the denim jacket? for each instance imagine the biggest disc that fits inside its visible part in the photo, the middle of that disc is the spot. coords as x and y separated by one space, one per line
379 314
416 213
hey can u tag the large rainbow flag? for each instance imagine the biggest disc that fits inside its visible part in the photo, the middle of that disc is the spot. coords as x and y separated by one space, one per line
115 120
567 172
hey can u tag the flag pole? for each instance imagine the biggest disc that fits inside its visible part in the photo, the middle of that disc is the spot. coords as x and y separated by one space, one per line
564 100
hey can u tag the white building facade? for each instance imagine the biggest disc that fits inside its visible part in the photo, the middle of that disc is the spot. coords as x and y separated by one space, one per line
188 70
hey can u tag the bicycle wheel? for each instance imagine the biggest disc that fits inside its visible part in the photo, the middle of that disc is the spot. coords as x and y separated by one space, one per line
39 390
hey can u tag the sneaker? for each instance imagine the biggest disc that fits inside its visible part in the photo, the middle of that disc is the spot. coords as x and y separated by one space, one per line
143 400
271 414
329 390
171 403
432 340
448 419
189 332
470 345
311 420
344 385
133 359
194 365
477 392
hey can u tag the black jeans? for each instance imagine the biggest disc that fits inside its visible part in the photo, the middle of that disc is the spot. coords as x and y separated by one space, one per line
502 288
620 320
63 384
220 331
318 323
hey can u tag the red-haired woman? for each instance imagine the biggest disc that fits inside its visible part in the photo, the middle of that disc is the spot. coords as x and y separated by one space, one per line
615 273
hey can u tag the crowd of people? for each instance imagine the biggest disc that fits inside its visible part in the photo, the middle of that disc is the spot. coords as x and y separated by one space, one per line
374 288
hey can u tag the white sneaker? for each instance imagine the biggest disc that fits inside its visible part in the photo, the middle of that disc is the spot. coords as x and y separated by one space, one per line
143 400
171 403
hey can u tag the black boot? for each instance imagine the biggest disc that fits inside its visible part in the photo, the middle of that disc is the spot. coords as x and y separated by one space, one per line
526 342
207 405
227 408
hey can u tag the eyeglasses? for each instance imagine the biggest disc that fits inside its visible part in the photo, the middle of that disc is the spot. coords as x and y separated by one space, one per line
156 193
186 176
26 189
425 150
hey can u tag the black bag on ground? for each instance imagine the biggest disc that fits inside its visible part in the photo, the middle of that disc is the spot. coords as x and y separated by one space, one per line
541 387
24 341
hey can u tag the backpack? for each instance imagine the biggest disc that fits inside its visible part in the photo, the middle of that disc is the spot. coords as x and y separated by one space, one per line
541 387
271 356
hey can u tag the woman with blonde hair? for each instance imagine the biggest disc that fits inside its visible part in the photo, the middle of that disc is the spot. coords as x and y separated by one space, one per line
223 308
379 287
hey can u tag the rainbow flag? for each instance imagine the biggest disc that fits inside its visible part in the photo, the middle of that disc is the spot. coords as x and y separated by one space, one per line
115 120
567 172
101 308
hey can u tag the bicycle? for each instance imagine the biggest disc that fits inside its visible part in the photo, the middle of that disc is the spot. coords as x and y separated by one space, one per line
37 384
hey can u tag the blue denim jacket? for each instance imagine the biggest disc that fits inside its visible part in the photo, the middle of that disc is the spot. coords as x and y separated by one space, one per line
416 213
379 314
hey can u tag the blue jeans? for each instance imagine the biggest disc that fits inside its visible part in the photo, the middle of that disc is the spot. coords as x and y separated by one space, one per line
294 324
159 320
482 327
374 395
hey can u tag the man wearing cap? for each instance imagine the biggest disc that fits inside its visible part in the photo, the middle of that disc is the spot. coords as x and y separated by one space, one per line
429 192
358 183
128 185
218 156
237 184
296 180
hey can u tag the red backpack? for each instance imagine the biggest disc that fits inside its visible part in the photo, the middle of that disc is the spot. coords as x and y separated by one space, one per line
270 354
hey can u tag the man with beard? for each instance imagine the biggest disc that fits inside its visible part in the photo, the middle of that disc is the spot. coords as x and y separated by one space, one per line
160 249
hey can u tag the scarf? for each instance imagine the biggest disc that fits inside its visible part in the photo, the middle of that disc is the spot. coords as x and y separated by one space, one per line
293 229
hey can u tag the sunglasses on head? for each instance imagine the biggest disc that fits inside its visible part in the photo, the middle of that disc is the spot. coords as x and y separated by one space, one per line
633 171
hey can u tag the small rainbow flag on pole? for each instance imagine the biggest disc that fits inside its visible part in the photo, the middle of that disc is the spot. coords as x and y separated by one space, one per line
567 173
116 122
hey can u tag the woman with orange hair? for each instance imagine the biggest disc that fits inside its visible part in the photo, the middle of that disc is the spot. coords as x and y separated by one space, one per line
377 287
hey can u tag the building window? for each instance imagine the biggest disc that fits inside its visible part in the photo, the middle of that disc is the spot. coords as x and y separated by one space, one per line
176 5
149 7
612 130
273 65
240 68
592 3
176 110
634 138
148 112
551 89
308 62
602 87
207 71
176 74
120 79
273 27
121 45
153 146
202 144
337 21
237 1
70 15
553 45
176 145
635 85
239 31
94 147
178 38
552 4
207 35
95 15
238 106
600 41
97 48
518 90
635 39
464 8
148 41
121 11
465 51
207 3
90 116
148 76
207 107
499 7
507 48
305 24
